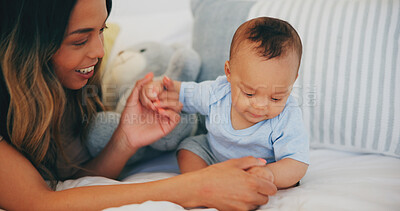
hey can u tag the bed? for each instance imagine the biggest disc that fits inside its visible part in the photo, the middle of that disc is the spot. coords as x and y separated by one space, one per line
348 89
335 180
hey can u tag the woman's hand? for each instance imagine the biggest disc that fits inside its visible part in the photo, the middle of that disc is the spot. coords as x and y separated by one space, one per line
262 172
227 185
142 126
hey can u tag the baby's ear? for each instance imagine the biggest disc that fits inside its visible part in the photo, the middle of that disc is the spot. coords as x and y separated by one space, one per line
227 71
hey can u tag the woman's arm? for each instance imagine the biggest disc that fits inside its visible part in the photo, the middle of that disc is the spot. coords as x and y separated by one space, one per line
139 126
225 186
110 161
22 188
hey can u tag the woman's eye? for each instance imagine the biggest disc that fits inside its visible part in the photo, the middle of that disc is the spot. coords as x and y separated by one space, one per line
102 29
80 43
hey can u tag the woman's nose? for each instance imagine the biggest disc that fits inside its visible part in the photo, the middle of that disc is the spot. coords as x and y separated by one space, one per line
96 49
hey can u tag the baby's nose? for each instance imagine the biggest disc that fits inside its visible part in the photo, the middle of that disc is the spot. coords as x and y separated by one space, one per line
259 103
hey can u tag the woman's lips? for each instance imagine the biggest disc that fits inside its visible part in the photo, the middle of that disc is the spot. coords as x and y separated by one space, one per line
86 73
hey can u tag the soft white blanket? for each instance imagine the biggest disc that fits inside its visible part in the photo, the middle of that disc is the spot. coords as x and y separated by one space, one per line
335 181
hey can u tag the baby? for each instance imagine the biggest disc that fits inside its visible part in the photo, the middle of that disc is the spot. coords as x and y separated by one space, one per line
249 111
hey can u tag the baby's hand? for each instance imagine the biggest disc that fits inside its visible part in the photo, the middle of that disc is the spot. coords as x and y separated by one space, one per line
262 172
149 94
160 95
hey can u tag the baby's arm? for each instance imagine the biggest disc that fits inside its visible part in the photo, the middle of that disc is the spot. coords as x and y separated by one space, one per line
188 161
285 173
290 146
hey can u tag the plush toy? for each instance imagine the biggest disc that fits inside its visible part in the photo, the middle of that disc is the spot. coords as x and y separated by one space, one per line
177 62
132 64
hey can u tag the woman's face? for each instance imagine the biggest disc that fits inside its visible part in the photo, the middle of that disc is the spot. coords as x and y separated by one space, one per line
82 46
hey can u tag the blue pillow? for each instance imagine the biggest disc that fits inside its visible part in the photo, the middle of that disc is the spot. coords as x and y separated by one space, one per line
215 22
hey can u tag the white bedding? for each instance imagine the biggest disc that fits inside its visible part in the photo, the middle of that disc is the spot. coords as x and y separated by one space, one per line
335 181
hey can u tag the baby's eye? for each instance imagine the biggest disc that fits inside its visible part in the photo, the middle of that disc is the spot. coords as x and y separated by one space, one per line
248 94
275 99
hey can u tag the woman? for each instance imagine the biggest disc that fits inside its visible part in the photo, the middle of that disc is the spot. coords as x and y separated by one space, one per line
49 51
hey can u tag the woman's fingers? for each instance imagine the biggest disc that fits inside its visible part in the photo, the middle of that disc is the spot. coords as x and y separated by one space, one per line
169 119
265 187
166 100
233 188
168 84
134 96
144 99
171 115
260 200
249 201
148 95
247 162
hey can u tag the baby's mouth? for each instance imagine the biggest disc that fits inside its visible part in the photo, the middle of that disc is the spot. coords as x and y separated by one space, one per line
85 70
257 116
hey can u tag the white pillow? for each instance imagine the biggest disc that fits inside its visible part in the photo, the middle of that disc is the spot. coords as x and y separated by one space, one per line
349 83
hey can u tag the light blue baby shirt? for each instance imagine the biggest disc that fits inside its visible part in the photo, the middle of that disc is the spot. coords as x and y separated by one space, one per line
273 139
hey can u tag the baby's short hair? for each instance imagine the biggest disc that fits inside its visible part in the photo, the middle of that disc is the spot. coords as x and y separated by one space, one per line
275 37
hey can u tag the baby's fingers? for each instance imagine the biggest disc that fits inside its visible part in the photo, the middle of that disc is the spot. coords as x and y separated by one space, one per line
149 94
168 95
174 105
145 100
152 90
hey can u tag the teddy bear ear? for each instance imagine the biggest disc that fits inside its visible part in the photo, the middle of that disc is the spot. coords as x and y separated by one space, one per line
184 65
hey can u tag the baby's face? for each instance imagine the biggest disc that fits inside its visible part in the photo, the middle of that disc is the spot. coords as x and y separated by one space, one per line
260 87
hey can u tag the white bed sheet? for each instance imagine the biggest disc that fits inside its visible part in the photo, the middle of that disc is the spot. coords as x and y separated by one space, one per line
335 181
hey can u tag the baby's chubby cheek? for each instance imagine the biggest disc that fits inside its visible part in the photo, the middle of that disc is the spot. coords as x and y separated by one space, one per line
263 172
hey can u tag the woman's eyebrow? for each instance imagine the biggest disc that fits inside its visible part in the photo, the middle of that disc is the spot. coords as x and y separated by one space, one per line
84 30
81 31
